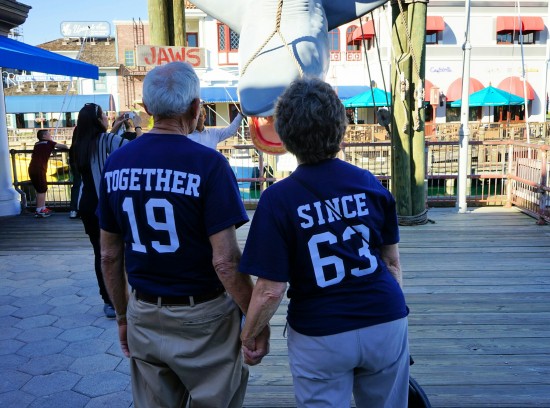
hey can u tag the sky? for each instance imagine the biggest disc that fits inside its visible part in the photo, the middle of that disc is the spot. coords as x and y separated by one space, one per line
45 16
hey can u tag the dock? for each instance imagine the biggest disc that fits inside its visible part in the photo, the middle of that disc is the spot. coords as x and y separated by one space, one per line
477 285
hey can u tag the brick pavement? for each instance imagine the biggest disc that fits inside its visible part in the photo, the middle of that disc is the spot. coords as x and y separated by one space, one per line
56 347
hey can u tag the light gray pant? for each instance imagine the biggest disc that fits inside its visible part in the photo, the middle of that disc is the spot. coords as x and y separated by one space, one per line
372 361
179 352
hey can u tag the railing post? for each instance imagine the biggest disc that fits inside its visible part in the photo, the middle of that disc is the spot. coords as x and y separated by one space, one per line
509 173
543 183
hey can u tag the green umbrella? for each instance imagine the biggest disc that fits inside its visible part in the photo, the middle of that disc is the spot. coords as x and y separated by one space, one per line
364 100
491 96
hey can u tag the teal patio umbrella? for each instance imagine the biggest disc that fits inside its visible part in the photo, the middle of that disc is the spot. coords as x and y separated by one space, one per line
365 100
491 96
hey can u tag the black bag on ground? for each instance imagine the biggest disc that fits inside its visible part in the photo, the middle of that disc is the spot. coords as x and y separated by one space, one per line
417 396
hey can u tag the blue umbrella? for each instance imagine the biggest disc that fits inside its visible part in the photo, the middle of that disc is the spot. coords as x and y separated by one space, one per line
491 96
364 100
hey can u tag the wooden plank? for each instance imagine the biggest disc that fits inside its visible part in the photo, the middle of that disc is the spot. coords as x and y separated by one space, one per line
477 285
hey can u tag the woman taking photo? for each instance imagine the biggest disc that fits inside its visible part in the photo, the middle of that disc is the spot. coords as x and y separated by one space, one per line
90 149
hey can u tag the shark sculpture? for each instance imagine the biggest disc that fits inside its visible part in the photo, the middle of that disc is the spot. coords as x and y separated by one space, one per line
280 41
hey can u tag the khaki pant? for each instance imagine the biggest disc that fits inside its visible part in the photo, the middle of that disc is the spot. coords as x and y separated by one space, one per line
179 352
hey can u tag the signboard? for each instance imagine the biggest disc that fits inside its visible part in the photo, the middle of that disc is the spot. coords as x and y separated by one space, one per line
82 29
155 55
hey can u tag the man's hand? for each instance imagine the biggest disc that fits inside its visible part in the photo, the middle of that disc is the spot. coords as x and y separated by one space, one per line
254 350
123 338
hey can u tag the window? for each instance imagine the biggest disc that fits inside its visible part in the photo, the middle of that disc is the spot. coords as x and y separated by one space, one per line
334 40
100 85
352 45
228 40
192 39
431 37
129 59
453 114
511 37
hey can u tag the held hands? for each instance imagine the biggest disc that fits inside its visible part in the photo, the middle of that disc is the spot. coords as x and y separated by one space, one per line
255 349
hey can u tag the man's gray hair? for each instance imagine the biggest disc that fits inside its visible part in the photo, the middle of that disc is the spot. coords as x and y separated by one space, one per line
310 120
168 90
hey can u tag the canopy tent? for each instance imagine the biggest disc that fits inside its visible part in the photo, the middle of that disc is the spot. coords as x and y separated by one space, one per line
56 103
219 94
491 96
365 99
18 55
348 91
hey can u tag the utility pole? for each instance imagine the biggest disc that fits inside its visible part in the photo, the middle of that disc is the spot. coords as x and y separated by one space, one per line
408 140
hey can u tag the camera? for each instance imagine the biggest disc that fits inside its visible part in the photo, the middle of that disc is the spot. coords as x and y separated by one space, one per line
129 115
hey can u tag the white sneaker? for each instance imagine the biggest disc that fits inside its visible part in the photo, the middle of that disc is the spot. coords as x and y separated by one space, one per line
73 215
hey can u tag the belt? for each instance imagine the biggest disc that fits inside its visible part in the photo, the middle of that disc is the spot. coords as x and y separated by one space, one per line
177 300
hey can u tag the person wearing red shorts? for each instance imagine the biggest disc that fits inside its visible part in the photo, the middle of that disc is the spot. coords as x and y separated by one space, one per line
37 169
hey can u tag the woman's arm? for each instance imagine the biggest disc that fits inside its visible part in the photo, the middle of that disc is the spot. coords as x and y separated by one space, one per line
390 255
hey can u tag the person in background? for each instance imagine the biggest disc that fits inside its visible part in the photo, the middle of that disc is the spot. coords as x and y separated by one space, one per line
210 136
131 126
91 146
38 168
330 230
76 183
168 212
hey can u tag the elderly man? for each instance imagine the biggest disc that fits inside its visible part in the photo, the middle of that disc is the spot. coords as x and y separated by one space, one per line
168 212
212 136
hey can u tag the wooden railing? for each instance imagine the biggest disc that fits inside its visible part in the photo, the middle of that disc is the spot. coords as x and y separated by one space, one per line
502 171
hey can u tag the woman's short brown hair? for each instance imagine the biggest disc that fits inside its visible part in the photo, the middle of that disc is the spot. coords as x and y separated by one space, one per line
310 120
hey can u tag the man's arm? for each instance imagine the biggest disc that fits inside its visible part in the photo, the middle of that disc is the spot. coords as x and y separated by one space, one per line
224 133
225 258
112 265
390 255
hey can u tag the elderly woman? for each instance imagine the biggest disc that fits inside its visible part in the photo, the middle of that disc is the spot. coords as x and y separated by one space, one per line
330 230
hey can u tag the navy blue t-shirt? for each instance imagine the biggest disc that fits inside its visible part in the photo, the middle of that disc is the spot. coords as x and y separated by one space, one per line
166 194
338 282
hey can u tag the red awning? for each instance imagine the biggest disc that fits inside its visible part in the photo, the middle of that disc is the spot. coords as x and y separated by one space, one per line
454 93
508 23
514 85
434 23
368 32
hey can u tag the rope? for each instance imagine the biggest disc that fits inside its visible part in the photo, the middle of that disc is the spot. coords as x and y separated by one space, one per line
418 219
276 30
407 31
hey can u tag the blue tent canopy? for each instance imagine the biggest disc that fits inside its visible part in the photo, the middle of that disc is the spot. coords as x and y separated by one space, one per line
56 103
219 94
365 99
348 91
18 55
491 96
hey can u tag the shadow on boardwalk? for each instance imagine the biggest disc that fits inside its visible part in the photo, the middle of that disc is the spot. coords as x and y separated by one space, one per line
477 284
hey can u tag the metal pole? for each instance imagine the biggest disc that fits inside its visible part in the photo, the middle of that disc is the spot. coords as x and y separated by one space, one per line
544 131
464 130
523 78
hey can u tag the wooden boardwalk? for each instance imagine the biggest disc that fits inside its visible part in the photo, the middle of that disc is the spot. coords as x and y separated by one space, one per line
478 288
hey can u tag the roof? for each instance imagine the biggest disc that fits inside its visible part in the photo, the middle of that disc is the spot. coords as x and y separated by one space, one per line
56 103
18 55
101 53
